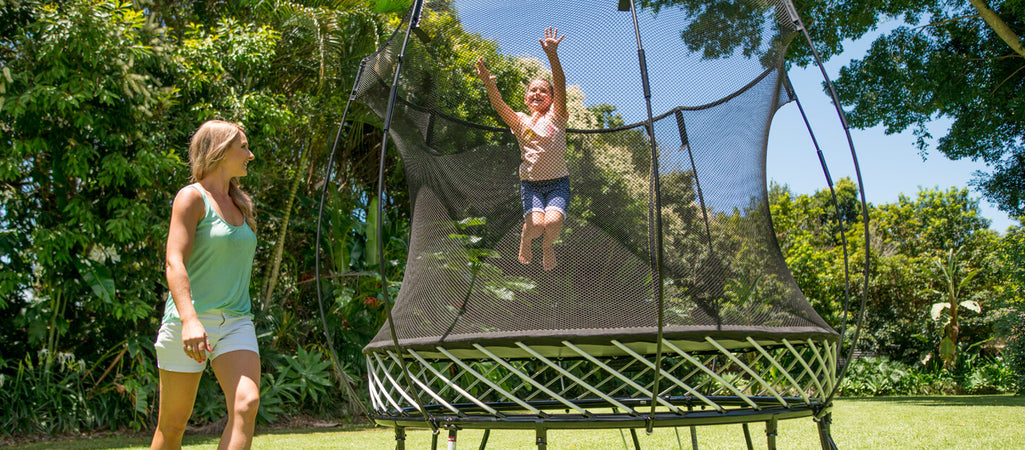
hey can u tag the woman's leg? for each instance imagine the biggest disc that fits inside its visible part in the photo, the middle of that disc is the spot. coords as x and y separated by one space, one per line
238 372
533 227
177 396
552 227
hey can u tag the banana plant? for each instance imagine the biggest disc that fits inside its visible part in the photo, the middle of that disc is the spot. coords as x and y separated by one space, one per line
955 276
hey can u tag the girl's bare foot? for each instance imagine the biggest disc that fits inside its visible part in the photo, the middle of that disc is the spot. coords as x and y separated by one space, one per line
548 257
526 253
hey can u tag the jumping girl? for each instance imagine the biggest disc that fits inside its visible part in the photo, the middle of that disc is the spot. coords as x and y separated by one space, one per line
544 178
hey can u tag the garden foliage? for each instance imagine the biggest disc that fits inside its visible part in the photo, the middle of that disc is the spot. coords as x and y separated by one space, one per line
97 102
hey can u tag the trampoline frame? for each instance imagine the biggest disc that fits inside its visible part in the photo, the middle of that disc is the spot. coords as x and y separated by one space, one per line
709 385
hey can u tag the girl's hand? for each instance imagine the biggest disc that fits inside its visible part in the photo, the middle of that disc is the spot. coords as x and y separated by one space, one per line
194 340
483 73
550 43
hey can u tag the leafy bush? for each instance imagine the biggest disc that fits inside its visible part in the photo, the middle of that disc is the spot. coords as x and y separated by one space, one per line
874 376
1015 350
59 393
993 377
300 381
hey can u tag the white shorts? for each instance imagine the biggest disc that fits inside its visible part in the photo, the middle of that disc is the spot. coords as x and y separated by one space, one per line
226 334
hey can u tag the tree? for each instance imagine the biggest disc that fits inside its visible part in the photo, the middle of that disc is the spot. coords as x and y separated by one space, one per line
930 249
1011 263
83 179
83 168
93 149
908 78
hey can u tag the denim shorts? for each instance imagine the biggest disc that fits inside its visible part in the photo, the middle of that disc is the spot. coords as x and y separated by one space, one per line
226 334
542 195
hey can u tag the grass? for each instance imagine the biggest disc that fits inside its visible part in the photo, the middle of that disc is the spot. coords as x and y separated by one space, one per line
941 422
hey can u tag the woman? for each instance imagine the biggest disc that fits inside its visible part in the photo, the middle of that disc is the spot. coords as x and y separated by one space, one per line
544 178
210 247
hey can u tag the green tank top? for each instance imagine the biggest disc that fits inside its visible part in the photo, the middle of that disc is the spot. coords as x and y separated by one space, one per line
219 266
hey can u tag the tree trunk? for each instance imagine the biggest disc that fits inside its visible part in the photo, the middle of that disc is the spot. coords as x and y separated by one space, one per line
999 26
279 246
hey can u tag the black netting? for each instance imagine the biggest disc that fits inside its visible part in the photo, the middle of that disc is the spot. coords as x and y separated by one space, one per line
715 84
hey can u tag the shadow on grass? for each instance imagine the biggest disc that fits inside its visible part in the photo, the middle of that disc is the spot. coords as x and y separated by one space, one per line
341 428
952 400
134 441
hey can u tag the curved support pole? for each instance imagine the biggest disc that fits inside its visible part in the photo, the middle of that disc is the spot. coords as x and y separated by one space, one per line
346 381
836 209
861 190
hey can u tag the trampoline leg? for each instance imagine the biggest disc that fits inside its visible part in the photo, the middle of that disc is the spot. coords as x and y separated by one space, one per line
825 437
434 441
452 439
484 440
400 438
542 438
637 443
770 433
693 432
747 437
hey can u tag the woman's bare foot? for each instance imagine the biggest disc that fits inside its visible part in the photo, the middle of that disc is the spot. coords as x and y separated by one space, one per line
526 253
548 257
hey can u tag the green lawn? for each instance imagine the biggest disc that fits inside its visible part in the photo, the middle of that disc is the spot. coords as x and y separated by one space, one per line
956 422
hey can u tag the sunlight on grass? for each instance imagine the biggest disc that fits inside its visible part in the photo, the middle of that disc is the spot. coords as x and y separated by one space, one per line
956 422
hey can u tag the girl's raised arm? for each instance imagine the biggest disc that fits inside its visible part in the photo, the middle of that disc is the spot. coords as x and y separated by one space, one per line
550 44
504 111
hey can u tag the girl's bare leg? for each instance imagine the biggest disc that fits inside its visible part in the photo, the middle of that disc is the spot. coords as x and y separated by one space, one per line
533 226
552 227
238 373
177 396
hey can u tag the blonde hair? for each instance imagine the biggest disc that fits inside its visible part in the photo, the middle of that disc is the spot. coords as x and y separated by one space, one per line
551 86
206 150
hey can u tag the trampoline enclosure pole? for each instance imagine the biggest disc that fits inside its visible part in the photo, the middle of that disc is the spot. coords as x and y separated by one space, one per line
654 212
346 381
413 22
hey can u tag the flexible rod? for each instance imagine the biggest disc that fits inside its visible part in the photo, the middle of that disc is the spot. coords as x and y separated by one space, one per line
836 208
346 381
861 190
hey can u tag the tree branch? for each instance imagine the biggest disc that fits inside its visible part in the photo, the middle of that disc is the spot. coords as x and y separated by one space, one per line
950 20
1006 80
999 26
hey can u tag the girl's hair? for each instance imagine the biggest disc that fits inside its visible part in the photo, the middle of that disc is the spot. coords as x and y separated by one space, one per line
551 87
206 150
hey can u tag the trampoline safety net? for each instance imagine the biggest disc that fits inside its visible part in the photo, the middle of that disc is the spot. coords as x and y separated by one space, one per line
707 253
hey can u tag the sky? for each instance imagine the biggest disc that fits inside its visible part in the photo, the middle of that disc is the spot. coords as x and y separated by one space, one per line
890 164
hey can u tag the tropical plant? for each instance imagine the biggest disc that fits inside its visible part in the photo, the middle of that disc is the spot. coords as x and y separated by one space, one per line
955 279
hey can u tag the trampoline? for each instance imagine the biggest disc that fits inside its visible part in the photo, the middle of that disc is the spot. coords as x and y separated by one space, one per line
671 304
